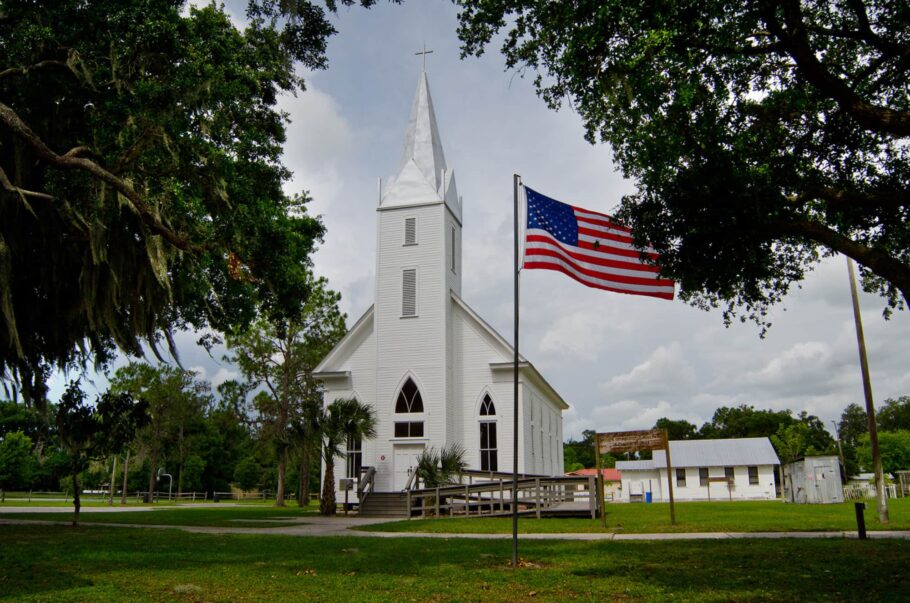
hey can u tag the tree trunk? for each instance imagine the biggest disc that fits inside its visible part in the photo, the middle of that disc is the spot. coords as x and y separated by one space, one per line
180 465
327 502
113 484
153 461
304 490
126 470
282 470
77 502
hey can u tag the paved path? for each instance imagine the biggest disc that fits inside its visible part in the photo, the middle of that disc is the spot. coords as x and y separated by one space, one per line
340 525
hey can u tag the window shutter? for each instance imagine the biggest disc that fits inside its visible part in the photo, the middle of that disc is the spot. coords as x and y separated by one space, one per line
410 231
409 292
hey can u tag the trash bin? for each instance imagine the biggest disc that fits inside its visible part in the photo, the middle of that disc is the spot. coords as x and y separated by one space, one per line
647 497
216 498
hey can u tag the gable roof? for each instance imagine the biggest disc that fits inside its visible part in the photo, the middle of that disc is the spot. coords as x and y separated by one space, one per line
344 348
709 453
508 353
330 367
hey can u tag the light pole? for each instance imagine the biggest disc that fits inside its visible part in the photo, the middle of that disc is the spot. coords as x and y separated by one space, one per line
170 483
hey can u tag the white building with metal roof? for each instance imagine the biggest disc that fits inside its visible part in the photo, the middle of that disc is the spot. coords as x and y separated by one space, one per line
730 469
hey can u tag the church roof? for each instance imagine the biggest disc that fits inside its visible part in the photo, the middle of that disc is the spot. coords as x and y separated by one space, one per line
423 176
330 367
345 347
524 366
422 143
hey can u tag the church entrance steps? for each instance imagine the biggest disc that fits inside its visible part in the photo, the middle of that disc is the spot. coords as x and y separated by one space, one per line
384 504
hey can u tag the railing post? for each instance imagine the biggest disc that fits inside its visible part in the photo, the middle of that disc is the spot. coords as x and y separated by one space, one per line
592 497
467 500
437 501
537 494
502 501
408 494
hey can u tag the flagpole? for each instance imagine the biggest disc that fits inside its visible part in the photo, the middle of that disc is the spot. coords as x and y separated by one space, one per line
516 183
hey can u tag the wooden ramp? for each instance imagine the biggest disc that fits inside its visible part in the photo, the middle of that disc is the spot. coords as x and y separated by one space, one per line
564 496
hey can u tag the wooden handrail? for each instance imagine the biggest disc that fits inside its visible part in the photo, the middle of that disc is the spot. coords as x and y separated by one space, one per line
412 481
367 480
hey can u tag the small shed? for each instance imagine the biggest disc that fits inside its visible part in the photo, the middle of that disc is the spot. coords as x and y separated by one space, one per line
813 480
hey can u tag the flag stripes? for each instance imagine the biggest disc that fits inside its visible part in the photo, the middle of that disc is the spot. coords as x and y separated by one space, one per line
590 248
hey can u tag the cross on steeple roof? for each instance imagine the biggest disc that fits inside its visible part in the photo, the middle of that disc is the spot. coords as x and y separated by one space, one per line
424 52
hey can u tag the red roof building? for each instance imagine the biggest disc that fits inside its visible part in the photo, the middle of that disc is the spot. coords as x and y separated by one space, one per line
610 475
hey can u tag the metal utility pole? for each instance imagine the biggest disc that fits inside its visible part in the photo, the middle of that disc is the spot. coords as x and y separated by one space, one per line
870 407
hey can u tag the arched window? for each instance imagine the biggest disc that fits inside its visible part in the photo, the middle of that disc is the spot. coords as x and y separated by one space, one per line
409 401
489 460
487 407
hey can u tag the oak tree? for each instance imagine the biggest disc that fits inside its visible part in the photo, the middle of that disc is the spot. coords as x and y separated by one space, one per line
762 134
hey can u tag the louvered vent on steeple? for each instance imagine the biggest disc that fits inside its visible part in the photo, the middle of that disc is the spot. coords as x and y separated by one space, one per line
410 231
409 292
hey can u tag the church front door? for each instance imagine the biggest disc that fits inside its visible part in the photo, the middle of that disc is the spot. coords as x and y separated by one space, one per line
405 463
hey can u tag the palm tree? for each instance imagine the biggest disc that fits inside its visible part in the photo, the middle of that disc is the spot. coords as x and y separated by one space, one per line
343 420
441 468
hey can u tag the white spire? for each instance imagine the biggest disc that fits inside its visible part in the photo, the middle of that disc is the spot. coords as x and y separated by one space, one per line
422 142
422 173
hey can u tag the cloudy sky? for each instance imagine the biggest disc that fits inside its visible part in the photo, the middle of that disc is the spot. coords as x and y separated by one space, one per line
620 361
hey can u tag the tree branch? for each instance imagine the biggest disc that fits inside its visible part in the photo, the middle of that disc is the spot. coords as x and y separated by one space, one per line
879 262
5 182
39 65
794 36
844 200
886 46
71 160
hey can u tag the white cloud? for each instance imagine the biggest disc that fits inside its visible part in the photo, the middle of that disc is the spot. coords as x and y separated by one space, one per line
667 371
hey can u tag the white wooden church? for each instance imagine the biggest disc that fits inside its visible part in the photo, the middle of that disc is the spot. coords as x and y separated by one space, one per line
435 373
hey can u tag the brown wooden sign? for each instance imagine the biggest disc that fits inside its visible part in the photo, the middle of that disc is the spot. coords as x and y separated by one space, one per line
631 441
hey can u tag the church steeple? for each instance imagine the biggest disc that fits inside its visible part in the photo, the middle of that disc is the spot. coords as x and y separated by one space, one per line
422 143
423 176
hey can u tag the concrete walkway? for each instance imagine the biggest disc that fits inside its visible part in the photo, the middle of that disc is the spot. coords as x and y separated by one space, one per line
317 525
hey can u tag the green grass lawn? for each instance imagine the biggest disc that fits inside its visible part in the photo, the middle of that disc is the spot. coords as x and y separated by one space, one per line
43 563
746 516
190 515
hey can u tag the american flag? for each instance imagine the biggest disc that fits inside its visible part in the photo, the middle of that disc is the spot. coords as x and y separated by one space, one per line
589 247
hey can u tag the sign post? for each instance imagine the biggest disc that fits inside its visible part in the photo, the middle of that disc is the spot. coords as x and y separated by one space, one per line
632 441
